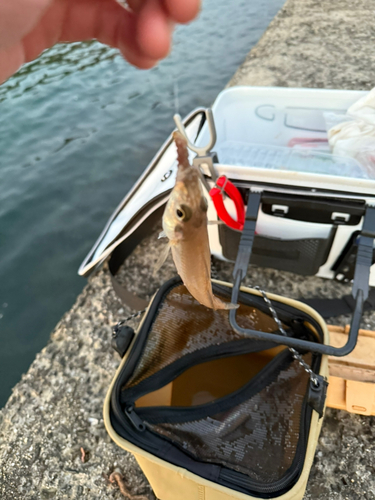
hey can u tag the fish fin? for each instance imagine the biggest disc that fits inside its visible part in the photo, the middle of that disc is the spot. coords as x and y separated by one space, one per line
162 235
162 258
182 151
230 306
219 304
214 222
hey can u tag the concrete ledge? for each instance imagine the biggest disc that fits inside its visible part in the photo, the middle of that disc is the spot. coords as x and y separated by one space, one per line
315 44
57 406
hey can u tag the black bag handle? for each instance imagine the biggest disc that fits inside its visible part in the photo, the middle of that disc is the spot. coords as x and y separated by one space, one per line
360 290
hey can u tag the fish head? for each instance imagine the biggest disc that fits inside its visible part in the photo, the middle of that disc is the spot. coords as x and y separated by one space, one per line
186 210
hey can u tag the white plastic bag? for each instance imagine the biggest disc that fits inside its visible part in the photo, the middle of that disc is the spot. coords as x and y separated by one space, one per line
353 134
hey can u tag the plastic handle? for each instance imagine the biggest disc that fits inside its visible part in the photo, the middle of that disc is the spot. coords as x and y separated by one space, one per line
200 150
360 286
216 193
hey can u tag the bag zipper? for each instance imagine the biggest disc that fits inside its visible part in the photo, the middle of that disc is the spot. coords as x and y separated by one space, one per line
163 414
176 368
138 424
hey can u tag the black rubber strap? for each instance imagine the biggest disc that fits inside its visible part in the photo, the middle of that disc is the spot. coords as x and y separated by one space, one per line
247 237
329 308
129 299
118 257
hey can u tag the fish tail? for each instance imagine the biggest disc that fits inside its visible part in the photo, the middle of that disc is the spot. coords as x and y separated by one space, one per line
230 306
182 151
219 304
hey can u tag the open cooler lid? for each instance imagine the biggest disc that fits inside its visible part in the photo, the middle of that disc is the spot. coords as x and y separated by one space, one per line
278 136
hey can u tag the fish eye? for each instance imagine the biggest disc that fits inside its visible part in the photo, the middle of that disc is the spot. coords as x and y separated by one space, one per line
183 213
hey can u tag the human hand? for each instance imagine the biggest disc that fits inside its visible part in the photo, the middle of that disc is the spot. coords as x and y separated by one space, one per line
27 27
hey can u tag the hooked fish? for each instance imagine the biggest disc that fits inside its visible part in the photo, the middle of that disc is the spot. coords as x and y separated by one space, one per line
185 225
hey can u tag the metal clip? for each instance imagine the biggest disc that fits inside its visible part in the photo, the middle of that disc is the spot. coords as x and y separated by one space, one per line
205 157
200 150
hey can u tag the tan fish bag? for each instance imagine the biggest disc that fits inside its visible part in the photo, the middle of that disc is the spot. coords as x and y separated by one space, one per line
212 414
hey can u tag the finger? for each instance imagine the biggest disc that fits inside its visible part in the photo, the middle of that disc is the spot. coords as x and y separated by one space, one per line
127 43
83 19
109 23
135 5
11 59
46 33
17 18
182 11
140 61
104 20
154 30
64 21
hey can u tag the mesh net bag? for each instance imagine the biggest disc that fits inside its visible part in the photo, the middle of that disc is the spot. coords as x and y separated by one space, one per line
201 396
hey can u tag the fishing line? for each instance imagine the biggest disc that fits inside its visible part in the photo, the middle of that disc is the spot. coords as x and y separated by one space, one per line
176 97
174 106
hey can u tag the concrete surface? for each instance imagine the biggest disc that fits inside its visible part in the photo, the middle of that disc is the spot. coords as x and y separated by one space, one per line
315 44
56 409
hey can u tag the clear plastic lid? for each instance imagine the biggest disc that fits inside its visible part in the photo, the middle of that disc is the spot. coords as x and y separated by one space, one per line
291 159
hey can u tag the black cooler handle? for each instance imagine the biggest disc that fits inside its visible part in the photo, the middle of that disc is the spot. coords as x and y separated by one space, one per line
360 290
